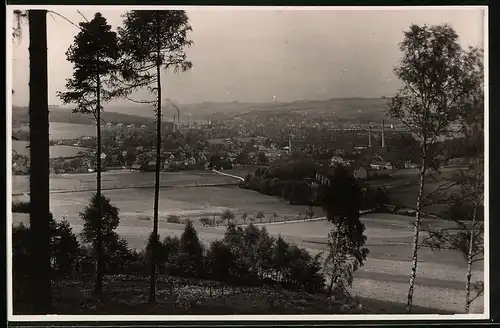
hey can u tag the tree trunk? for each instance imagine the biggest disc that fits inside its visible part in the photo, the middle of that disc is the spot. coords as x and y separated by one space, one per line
99 266
334 263
39 169
154 250
415 238
330 288
469 263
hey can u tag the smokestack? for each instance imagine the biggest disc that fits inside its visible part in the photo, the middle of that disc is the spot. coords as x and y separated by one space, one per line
174 123
178 118
383 136
369 136
290 142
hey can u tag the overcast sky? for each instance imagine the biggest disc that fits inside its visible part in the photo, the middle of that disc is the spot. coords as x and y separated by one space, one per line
254 55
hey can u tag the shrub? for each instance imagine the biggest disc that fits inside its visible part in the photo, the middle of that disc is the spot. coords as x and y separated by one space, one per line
121 259
191 252
228 216
65 248
170 256
300 193
220 261
206 222
264 186
20 207
275 187
260 216
65 251
173 219
90 216
287 189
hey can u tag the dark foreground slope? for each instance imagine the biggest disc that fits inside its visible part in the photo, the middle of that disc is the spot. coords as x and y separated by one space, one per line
127 295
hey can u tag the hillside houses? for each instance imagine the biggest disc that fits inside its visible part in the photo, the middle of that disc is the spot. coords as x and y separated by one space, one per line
381 165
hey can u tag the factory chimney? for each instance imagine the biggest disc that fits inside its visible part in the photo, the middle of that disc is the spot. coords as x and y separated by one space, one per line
178 117
369 136
289 142
383 135
175 124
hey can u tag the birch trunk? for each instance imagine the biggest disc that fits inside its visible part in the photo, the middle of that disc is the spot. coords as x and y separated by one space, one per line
469 263
416 233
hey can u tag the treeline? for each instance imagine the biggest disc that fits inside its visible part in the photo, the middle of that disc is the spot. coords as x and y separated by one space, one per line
295 182
248 257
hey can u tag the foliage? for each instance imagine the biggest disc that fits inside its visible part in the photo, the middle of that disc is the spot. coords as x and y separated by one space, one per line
220 261
228 216
111 242
374 199
64 249
310 212
21 207
244 217
439 79
274 216
342 203
285 179
149 38
191 251
206 222
94 53
173 219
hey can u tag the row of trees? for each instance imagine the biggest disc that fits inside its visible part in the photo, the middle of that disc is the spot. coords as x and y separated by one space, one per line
294 181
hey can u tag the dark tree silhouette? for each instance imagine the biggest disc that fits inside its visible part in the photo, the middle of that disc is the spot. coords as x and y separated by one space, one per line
39 156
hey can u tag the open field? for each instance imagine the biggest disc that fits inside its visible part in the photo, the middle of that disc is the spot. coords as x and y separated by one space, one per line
188 202
123 179
55 151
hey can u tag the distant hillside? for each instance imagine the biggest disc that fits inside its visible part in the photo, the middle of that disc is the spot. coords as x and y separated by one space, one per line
20 117
353 109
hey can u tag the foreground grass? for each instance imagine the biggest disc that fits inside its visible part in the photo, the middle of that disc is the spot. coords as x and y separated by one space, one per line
128 295
176 296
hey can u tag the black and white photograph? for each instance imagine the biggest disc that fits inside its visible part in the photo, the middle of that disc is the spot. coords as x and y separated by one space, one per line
247 163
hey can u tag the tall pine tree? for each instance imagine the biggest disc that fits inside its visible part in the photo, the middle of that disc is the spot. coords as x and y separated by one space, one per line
152 40
94 55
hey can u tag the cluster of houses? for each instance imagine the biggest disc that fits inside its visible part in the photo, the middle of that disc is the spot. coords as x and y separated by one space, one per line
172 161
109 125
